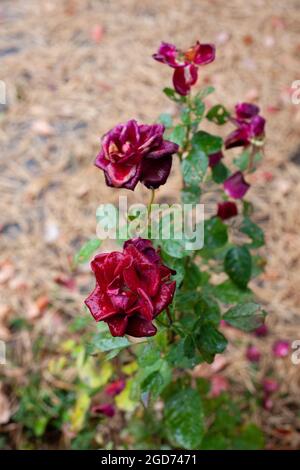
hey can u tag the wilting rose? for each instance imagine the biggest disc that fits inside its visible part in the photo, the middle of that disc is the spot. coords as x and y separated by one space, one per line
135 152
236 186
227 209
132 288
250 126
114 388
185 63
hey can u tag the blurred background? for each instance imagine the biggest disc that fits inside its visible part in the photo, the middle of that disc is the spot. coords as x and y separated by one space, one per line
72 70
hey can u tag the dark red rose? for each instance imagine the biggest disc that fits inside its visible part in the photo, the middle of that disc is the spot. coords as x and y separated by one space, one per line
227 209
132 288
185 63
135 152
250 126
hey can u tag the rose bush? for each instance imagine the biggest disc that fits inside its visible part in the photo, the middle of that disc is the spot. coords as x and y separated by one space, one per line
171 297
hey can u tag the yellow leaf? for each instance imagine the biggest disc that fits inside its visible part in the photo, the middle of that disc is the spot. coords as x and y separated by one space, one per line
123 401
77 416
93 376
130 368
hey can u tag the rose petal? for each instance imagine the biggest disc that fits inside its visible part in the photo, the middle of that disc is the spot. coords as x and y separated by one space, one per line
204 54
226 210
235 186
164 297
246 110
139 327
117 325
156 172
184 78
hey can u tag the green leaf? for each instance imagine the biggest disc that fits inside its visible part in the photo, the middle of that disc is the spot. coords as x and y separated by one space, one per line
184 419
206 142
173 95
218 114
177 264
194 167
249 438
193 276
105 342
87 250
229 293
148 354
191 195
220 172
166 120
208 309
179 355
210 341
254 232
215 233
238 265
157 380
242 161
205 92
246 317
178 135
186 116
199 107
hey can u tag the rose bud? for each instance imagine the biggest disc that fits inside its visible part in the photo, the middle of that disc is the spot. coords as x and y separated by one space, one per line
105 409
214 158
246 110
184 78
261 331
226 210
132 288
270 386
114 388
253 354
281 348
235 186
135 152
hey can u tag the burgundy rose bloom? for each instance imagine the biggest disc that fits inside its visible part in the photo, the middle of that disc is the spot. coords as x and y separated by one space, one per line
214 158
135 152
185 63
132 288
227 209
105 409
249 126
114 388
235 186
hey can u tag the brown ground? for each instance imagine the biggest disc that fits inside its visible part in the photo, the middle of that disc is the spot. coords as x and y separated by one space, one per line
73 69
